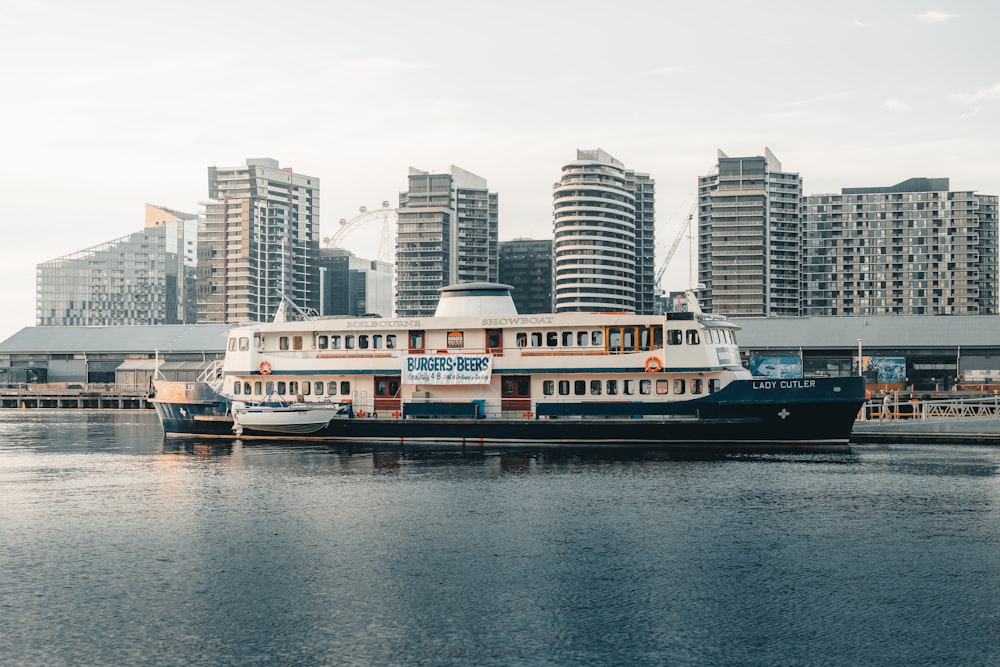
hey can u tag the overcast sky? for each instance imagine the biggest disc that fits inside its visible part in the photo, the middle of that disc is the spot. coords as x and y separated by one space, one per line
108 105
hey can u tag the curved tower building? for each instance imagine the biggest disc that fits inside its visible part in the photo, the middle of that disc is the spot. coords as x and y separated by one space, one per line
603 236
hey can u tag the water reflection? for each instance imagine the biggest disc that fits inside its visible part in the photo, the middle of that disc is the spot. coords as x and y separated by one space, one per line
388 458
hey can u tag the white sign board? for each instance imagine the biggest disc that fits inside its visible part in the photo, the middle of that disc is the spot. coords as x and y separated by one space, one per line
447 368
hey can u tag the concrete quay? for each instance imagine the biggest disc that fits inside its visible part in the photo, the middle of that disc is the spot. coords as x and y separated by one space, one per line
955 430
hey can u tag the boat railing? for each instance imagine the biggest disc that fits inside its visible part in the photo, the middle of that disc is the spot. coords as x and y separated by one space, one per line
212 375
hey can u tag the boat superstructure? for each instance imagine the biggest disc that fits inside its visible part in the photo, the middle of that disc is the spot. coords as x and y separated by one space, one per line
480 372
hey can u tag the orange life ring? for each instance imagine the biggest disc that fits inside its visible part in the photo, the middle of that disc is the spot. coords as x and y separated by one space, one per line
653 365
265 368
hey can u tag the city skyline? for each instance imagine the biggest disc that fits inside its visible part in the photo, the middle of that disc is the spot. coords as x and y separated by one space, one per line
113 108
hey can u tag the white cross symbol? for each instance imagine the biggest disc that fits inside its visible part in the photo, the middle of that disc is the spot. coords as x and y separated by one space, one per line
784 413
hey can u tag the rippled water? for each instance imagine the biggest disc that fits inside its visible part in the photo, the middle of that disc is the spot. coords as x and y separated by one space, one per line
117 547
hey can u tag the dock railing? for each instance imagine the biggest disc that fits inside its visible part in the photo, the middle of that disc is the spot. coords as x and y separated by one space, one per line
941 409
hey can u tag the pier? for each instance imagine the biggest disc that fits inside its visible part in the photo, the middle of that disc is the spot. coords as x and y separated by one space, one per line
73 397
953 420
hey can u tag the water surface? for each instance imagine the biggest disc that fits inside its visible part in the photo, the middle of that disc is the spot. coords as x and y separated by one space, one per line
117 547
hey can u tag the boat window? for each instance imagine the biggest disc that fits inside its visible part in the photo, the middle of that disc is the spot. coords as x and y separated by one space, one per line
334 342
306 388
283 343
567 339
678 386
281 387
319 388
394 388
522 339
345 388
256 388
674 337
536 339
696 386
237 388
580 387
628 387
611 386
548 387
713 385
552 339
595 387
244 343
269 387
293 387
662 387
710 337
381 387
322 342
644 339
247 388
232 344
377 341
582 338
258 341
614 340
628 339
349 342
390 341
296 342
564 387
416 340
692 337
597 338
645 386
657 337
363 341
494 339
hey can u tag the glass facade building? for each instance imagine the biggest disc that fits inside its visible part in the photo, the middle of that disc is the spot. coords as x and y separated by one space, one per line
526 265
137 279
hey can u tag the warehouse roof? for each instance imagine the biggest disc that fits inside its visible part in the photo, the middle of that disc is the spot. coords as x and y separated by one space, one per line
173 338
883 332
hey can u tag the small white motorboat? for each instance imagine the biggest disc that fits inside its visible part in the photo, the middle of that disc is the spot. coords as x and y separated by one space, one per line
287 418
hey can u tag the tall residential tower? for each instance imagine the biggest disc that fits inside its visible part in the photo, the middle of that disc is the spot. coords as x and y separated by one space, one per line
258 242
749 218
447 234
603 236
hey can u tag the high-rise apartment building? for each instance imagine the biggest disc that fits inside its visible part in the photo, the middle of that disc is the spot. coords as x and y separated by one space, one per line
749 237
446 234
526 265
914 248
258 242
603 236
142 278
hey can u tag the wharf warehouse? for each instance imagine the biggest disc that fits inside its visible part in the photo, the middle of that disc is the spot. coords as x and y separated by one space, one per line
927 352
113 355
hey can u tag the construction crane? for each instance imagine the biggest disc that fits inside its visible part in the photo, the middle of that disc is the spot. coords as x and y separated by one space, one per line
685 230
386 251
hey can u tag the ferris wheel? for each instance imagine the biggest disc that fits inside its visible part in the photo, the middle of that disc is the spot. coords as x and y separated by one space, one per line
384 215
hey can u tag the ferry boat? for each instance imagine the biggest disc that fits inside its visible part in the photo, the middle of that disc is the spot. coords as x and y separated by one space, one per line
480 373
